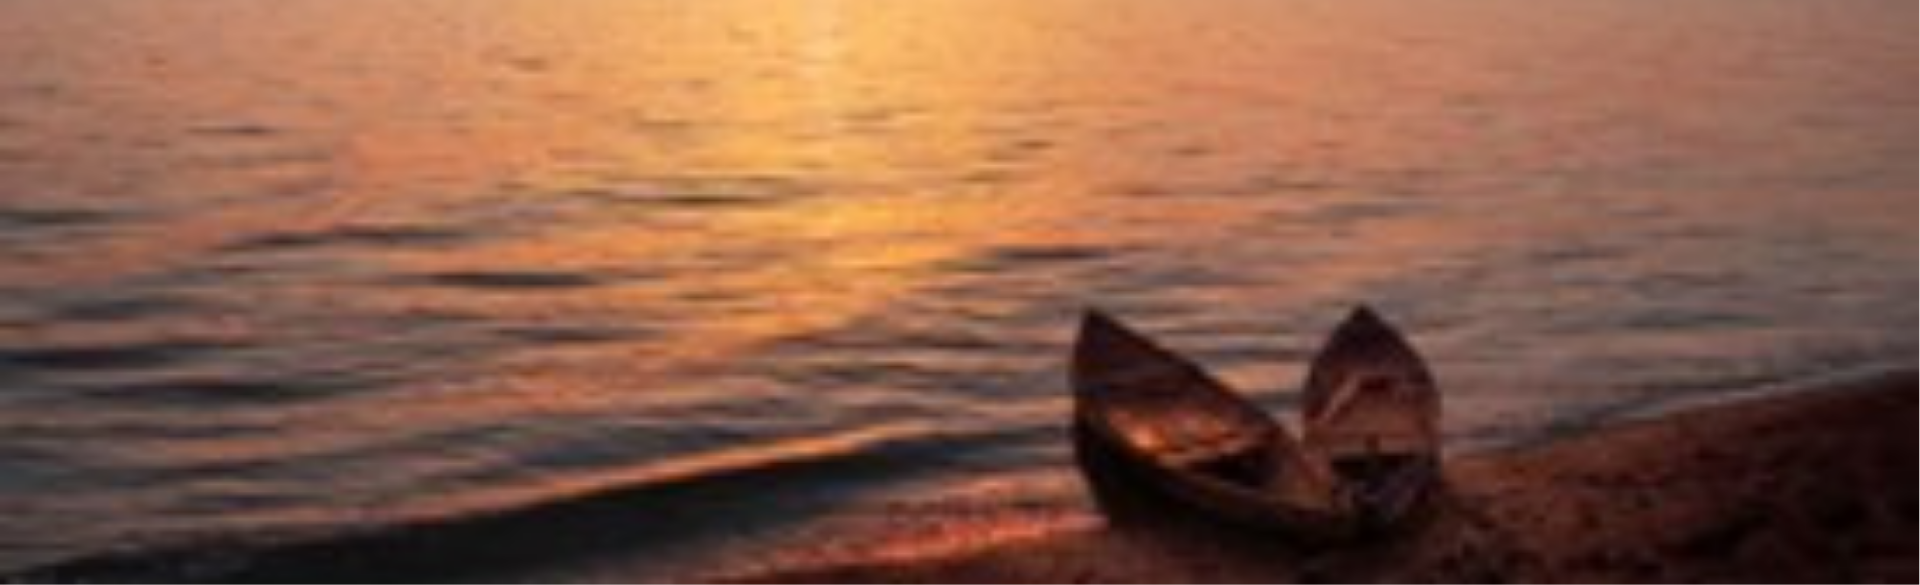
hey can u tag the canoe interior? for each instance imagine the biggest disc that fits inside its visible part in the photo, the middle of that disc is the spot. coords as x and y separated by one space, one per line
1143 408
1369 394
1130 493
1159 403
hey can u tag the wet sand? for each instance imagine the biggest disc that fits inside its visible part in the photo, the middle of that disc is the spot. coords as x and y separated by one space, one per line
1811 486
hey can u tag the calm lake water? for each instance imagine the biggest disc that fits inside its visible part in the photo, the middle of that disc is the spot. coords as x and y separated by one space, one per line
295 267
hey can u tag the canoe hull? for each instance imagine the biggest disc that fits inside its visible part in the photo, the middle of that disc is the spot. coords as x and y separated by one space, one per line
1132 491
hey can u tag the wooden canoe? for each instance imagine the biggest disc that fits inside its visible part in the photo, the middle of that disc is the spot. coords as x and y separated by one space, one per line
1372 411
1151 425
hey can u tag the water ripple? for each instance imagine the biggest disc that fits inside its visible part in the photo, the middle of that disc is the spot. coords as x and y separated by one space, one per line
371 236
145 354
513 280
204 391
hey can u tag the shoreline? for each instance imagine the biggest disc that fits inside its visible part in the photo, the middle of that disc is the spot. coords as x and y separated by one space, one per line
1812 485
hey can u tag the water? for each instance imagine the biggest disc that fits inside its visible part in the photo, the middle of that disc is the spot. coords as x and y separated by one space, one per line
302 266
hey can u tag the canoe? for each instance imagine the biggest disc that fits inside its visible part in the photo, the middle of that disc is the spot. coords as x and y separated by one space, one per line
1372 410
1152 426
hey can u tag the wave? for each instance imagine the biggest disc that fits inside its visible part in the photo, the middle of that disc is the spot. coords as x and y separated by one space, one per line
371 236
143 354
676 503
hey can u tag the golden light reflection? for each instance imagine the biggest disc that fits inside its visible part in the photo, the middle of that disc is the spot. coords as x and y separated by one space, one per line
914 135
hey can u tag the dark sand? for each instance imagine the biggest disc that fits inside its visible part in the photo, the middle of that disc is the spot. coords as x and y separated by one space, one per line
1813 486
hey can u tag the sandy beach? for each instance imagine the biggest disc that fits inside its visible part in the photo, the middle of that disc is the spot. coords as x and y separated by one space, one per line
1818 485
